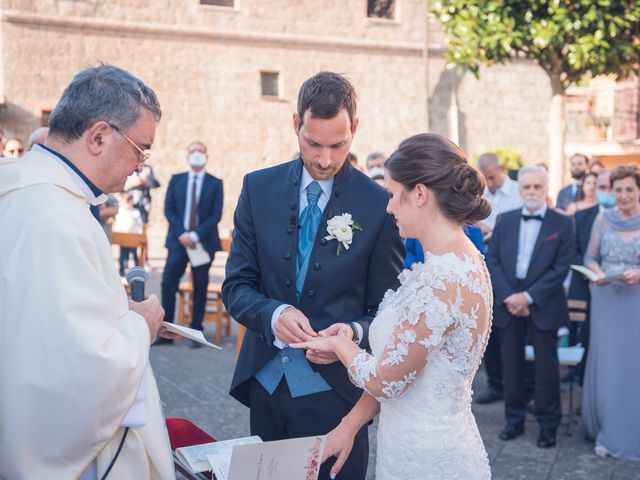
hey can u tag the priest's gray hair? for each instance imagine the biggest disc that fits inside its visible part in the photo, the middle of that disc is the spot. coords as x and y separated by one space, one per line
534 169
105 93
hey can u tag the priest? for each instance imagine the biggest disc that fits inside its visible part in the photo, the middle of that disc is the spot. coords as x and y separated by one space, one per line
78 398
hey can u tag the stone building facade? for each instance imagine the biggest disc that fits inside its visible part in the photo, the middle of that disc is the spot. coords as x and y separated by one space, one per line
229 76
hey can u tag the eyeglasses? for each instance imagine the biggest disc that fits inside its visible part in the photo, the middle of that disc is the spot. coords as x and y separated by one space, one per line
142 155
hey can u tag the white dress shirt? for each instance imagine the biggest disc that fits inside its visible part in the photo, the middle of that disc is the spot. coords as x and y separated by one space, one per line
506 198
529 231
193 177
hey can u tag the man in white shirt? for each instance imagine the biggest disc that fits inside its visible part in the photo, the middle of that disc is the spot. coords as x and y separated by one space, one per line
528 258
501 191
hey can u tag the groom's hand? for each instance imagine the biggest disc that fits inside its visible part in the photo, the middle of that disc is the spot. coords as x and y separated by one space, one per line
325 358
293 326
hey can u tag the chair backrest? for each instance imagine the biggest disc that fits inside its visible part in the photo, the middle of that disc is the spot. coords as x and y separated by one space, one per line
131 240
226 243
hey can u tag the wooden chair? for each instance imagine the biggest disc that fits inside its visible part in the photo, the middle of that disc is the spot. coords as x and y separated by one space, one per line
214 311
132 240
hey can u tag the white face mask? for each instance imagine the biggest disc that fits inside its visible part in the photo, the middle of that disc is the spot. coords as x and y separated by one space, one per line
197 159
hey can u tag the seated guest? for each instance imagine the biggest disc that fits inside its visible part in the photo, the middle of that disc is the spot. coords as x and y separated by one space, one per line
528 258
611 392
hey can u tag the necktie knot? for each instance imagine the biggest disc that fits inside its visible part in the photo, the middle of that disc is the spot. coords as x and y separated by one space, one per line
314 190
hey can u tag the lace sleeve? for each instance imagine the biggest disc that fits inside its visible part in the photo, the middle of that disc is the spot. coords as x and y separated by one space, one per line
426 318
592 254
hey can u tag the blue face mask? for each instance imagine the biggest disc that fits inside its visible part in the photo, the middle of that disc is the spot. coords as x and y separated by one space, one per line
606 199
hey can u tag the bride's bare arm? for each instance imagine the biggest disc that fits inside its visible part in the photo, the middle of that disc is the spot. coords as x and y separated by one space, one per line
340 440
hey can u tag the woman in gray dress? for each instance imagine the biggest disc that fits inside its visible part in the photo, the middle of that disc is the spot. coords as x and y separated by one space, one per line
611 395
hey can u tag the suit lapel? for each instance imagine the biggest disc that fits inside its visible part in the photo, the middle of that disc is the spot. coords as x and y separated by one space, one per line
513 252
545 230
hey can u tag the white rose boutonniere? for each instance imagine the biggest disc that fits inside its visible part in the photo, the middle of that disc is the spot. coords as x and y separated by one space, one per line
341 228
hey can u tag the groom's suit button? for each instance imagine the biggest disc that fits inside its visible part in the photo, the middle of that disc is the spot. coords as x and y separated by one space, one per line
287 255
285 359
287 283
312 293
316 266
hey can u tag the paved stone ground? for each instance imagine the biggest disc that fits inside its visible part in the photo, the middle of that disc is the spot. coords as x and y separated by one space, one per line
194 384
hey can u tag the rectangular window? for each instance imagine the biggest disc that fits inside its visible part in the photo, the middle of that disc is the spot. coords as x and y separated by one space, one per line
381 9
269 84
218 3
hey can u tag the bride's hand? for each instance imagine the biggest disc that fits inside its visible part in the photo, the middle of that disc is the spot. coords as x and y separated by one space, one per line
321 344
325 358
338 444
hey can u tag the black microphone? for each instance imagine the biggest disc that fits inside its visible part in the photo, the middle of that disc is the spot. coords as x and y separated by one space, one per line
136 278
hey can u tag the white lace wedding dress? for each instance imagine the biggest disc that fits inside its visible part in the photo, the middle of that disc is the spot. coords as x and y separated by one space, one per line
427 342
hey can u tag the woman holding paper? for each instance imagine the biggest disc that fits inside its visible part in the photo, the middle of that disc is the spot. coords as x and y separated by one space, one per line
610 417
430 334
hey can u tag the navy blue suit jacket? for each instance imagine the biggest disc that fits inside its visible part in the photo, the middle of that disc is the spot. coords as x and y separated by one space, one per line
579 289
565 197
552 254
209 211
261 269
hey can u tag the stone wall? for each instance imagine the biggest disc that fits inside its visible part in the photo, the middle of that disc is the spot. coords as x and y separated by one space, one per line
204 63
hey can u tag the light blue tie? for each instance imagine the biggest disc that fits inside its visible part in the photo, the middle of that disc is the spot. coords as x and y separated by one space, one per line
291 362
309 222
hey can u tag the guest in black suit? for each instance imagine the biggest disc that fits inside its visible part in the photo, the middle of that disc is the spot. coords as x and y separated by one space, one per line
579 164
193 207
287 280
529 256
579 288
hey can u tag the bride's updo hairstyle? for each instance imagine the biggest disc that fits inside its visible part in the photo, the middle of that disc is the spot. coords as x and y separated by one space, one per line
442 167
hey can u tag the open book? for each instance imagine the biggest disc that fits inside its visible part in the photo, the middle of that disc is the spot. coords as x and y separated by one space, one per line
593 276
251 458
195 456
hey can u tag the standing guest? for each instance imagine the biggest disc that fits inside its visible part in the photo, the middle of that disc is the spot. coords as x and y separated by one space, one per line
375 160
107 212
289 280
502 193
611 392
139 185
528 257
415 254
377 175
14 148
79 384
128 220
193 207
579 288
39 135
586 196
596 167
579 164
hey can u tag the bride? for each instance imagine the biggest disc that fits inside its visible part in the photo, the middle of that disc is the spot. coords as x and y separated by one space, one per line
429 335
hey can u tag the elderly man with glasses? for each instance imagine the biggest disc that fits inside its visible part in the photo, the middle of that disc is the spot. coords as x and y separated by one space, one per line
80 398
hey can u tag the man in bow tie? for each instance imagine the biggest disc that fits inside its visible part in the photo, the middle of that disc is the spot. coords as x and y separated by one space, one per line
287 281
528 258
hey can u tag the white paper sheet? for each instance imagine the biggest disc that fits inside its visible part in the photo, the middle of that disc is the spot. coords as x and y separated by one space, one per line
198 256
189 333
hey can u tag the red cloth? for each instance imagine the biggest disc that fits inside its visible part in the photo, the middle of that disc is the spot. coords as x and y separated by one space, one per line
183 433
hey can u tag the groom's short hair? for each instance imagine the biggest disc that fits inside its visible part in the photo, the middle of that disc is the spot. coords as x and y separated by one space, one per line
325 94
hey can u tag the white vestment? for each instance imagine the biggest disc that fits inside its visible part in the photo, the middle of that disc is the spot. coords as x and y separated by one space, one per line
72 354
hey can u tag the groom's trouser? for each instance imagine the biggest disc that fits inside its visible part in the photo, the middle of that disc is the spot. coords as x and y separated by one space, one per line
278 416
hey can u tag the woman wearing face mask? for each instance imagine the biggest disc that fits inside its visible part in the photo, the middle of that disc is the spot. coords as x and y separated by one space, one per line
586 196
611 392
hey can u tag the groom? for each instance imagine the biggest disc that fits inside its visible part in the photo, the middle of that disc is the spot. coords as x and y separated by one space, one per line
287 280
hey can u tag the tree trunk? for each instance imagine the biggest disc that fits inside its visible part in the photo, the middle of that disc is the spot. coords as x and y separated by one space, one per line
556 138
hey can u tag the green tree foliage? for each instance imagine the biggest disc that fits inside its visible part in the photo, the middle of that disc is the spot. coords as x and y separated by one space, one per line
510 158
567 38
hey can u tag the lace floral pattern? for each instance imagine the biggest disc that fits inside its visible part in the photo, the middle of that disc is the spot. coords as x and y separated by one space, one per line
427 342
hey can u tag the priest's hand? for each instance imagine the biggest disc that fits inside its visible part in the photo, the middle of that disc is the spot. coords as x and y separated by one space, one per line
293 326
151 310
